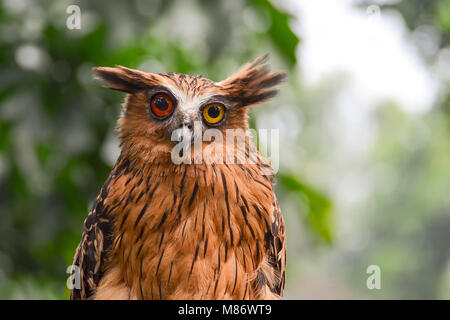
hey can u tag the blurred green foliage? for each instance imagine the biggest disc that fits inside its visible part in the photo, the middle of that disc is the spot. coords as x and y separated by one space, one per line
317 205
435 13
408 214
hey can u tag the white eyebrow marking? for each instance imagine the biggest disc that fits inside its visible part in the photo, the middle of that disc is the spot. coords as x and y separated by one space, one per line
189 106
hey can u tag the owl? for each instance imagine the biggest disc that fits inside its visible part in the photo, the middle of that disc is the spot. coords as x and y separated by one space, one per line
184 214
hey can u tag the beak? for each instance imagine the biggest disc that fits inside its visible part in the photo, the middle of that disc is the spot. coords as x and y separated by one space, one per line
183 138
183 134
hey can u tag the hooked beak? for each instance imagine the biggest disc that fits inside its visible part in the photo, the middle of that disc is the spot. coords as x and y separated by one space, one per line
185 136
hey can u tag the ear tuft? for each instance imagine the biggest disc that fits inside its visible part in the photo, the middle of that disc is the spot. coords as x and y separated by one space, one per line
253 83
119 78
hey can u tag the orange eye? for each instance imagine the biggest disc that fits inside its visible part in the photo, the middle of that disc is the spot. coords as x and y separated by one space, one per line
161 105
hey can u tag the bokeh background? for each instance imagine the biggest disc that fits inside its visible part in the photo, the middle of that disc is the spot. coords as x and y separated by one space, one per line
364 126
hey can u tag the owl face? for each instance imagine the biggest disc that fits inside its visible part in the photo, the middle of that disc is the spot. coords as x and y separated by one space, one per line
177 110
164 109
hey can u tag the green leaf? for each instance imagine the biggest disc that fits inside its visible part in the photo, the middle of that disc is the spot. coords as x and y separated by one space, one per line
279 31
443 15
319 206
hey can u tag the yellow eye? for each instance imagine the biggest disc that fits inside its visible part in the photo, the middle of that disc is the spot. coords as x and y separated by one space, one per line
213 113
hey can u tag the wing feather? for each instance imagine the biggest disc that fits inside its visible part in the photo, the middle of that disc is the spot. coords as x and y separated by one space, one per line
271 273
93 248
277 251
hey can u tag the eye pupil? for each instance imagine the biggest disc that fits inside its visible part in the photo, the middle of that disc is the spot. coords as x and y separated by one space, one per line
161 103
214 111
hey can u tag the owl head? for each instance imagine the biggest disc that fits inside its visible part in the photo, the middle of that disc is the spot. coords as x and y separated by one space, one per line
162 109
